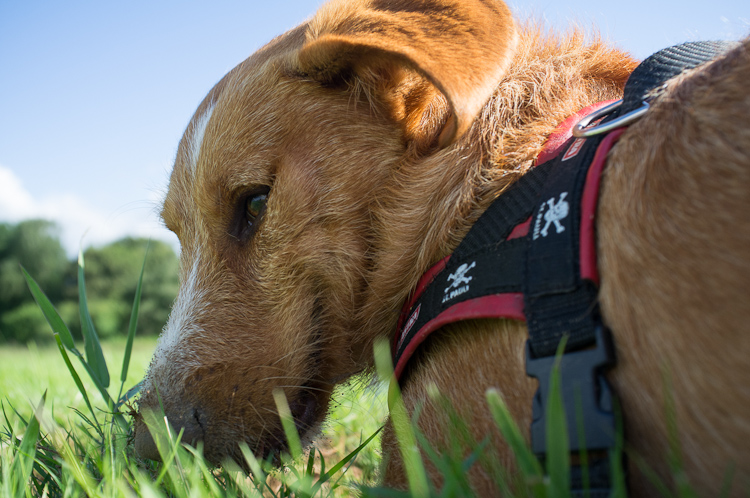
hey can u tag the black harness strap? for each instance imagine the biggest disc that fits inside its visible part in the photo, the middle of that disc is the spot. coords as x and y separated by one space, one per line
650 75
496 273
480 258
557 300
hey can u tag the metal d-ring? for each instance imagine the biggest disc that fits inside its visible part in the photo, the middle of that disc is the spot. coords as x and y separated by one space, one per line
580 130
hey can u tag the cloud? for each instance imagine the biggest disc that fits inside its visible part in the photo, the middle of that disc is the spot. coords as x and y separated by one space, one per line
16 202
80 222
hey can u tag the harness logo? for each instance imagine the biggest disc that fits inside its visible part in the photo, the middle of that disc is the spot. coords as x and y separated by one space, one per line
554 214
460 282
574 149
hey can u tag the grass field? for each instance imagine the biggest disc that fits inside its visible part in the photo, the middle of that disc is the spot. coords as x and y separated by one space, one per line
27 372
64 433
75 458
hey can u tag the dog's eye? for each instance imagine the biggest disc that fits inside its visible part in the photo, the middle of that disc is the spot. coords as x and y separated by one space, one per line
255 206
250 210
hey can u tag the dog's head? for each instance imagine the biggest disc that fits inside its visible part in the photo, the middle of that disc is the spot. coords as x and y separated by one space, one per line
281 195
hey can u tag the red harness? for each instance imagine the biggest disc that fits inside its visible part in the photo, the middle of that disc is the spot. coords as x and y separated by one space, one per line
511 305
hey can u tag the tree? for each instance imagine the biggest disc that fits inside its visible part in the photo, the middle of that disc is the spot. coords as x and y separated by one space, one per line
33 244
111 277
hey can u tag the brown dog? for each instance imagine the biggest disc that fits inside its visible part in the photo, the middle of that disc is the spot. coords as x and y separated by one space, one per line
321 177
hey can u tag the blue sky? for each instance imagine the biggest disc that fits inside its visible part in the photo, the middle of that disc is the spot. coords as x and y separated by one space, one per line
94 96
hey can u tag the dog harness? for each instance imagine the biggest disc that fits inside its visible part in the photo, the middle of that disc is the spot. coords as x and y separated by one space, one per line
532 256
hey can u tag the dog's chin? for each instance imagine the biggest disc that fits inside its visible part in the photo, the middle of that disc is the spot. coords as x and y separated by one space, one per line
304 412
307 413
308 409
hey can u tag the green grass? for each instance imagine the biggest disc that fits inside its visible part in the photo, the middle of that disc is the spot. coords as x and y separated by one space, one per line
67 432
27 371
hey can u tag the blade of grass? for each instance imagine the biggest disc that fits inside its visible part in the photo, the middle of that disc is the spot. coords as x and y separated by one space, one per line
102 390
45 469
78 469
171 465
259 477
23 419
61 331
351 455
8 425
94 355
449 463
133 325
287 421
558 444
473 457
169 449
23 463
415 471
53 318
325 476
310 468
86 422
617 467
527 462
583 453
322 462
75 377
209 479
128 395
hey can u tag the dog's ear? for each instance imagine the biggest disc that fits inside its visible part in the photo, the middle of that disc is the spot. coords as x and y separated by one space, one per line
408 52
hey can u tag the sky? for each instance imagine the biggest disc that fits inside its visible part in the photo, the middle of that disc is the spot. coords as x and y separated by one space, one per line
95 95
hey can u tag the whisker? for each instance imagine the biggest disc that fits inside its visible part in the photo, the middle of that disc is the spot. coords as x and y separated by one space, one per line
297 377
305 388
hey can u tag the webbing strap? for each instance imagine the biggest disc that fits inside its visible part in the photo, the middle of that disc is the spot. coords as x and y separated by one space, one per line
558 302
472 270
654 71
508 210
483 277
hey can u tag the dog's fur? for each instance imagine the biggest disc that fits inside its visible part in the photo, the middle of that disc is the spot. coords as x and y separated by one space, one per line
384 128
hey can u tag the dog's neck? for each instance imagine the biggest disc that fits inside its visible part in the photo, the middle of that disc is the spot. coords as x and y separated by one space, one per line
442 195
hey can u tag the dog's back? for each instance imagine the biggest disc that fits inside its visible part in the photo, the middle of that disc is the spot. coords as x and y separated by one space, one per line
674 238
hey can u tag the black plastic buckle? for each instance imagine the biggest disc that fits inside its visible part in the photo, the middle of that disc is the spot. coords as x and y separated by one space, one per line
585 392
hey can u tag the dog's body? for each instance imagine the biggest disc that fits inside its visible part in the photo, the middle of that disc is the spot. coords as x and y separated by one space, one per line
379 132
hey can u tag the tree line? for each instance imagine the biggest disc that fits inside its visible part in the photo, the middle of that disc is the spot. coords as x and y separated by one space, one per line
111 277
